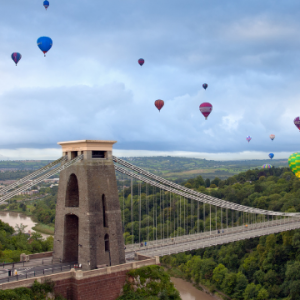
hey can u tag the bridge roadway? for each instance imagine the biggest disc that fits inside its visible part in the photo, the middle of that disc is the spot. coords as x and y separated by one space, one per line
213 238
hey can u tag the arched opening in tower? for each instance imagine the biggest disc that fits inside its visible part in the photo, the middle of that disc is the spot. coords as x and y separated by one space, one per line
72 195
106 241
71 239
104 211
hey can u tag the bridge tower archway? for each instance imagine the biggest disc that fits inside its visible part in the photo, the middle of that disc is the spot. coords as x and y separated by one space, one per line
70 242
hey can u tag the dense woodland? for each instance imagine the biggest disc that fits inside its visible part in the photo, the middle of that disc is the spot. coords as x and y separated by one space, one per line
265 268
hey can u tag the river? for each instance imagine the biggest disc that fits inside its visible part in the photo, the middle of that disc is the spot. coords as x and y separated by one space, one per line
14 218
188 291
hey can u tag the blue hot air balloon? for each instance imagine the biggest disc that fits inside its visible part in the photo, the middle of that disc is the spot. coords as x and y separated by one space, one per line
16 57
46 4
45 44
271 155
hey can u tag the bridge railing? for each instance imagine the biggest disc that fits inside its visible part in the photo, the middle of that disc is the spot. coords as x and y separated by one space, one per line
208 234
35 273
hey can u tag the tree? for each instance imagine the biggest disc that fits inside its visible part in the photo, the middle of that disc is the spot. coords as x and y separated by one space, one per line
219 274
207 182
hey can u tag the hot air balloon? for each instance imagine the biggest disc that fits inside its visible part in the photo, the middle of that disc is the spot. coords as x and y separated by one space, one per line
248 138
294 163
205 109
205 85
297 122
141 61
45 44
266 166
16 57
159 104
271 155
46 4
272 136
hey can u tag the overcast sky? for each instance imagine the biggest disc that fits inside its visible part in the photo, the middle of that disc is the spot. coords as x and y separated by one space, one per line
90 86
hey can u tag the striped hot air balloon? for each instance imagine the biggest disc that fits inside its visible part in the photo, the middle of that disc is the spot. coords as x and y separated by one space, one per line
266 166
272 136
16 57
206 109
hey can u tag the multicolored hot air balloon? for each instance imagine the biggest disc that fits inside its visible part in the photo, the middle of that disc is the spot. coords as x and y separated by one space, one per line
141 61
45 44
205 85
294 163
272 136
248 138
205 109
159 104
46 4
266 166
271 155
16 57
297 122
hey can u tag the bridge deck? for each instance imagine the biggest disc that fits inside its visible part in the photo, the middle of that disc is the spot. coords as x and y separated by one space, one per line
207 239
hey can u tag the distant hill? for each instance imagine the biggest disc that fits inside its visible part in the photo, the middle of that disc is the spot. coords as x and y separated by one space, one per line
182 167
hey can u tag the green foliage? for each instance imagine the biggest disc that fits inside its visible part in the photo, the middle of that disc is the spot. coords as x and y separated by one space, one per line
38 291
149 283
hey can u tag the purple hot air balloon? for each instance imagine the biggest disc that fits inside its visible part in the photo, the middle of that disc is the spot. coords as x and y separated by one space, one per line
141 61
297 122
16 57
248 138
205 85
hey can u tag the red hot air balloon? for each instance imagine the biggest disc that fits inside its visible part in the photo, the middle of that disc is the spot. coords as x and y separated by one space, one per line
159 104
205 109
205 85
141 61
297 122
272 136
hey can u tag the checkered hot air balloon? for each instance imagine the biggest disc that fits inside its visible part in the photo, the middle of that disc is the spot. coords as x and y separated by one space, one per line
294 163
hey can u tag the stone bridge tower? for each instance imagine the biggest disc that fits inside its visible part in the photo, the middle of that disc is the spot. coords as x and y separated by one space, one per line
88 225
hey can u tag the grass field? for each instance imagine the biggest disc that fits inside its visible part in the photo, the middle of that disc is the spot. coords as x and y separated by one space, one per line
44 229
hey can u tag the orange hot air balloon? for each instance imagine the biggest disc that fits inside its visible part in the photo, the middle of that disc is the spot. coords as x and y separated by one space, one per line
159 104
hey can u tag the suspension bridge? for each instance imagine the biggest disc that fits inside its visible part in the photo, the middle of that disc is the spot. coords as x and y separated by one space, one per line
168 227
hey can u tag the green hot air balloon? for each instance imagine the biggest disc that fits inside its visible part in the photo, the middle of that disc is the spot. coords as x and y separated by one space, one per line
294 163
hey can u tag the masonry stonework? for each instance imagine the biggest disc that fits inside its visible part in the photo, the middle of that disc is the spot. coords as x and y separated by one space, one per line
88 225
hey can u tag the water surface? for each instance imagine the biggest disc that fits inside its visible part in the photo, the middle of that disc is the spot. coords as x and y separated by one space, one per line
188 291
14 218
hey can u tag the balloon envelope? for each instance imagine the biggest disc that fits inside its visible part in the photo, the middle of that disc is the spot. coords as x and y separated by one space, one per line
205 85
141 61
271 155
46 4
294 163
297 122
16 57
248 138
159 104
44 43
266 166
206 109
272 136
